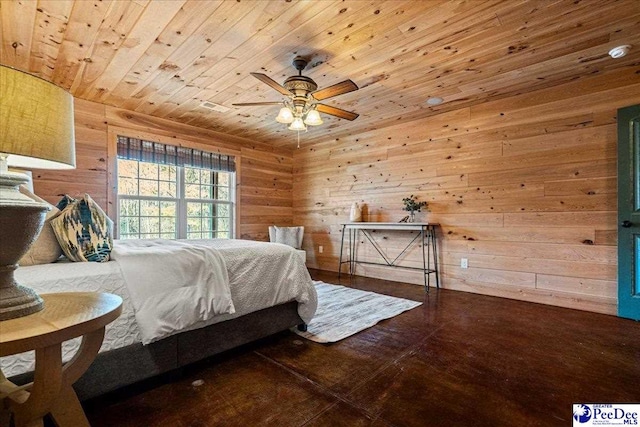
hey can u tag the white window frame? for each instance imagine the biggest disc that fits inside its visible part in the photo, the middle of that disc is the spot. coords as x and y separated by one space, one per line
182 207
201 142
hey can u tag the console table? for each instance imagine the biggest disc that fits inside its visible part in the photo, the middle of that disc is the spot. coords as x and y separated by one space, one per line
426 236
65 316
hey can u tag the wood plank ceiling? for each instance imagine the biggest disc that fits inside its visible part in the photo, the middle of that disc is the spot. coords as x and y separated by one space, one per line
164 58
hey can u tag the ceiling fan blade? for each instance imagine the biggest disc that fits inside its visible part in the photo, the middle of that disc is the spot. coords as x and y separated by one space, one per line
253 104
274 84
338 112
335 90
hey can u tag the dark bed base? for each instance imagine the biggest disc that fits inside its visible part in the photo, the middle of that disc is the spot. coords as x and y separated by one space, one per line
127 365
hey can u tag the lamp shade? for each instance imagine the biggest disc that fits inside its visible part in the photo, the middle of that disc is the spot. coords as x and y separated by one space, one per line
313 118
36 122
297 124
285 116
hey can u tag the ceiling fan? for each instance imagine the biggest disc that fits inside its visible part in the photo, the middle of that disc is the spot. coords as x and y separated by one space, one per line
302 106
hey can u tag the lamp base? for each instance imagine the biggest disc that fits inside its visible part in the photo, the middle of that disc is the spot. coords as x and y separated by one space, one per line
17 301
21 220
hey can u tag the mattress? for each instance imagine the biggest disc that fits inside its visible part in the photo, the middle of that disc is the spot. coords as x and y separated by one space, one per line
260 276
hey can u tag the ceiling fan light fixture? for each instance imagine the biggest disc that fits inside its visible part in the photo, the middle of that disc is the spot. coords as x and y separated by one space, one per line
313 118
300 109
285 116
297 124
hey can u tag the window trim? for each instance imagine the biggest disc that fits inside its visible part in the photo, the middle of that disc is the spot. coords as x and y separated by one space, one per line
112 167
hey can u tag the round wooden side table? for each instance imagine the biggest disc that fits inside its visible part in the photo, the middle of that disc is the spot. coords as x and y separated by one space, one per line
65 316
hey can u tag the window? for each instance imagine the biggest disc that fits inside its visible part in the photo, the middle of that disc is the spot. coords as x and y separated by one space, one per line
170 198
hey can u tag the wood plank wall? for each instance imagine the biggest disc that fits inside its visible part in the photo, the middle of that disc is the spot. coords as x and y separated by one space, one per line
265 184
524 187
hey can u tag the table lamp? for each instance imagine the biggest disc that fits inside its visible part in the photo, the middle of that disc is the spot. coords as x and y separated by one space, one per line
36 131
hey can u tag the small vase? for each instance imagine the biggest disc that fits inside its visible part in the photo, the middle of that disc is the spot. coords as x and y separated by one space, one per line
412 216
355 215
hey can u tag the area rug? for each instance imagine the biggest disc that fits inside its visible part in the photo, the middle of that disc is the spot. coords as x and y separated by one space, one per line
344 311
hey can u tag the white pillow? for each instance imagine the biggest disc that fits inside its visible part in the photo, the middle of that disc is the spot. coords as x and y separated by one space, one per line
290 236
46 248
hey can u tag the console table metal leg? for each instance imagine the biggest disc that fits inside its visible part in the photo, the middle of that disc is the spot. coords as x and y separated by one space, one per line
435 256
350 253
341 248
429 255
425 272
353 244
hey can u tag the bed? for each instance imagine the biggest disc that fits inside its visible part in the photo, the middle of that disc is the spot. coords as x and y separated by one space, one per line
269 285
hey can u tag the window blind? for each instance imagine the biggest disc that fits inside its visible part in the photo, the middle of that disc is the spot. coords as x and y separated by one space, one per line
157 152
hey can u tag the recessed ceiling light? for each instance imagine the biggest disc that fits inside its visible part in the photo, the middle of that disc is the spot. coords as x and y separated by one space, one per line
620 51
435 100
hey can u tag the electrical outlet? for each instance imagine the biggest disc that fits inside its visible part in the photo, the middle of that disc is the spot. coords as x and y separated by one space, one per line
321 249
464 263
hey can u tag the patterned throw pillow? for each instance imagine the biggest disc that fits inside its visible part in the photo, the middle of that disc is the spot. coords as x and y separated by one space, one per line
83 230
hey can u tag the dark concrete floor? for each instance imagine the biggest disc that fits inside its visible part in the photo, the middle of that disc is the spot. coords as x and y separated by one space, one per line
458 360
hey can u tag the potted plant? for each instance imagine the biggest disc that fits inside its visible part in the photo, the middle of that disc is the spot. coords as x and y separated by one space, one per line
411 205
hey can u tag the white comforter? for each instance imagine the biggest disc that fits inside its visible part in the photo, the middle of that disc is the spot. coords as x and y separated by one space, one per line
173 284
254 266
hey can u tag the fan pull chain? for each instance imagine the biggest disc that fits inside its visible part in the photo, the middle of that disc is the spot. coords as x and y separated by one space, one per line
298 140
